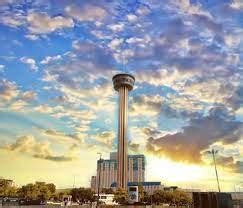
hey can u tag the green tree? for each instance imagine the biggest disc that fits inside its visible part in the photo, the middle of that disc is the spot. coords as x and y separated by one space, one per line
121 196
147 198
6 189
107 191
39 190
171 197
160 197
51 187
82 195
58 196
141 193
181 198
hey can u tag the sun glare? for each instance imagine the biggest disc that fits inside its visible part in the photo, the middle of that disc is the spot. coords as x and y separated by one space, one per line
163 168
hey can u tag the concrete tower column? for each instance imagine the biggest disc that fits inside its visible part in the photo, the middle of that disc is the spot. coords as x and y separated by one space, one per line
123 83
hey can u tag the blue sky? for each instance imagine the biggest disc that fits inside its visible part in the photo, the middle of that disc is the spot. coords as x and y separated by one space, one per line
57 103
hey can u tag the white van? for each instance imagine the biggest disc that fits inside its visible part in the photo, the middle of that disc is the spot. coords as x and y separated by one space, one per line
107 199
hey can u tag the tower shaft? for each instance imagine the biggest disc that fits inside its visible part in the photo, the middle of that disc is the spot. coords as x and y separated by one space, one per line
122 178
123 83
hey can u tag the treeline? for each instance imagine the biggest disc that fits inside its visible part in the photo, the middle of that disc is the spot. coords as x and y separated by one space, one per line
176 197
47 191
39 190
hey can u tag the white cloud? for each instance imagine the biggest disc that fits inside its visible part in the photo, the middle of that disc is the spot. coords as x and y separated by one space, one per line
31 62
140 41
50 59
4 2
101 34
2 67
18 105
237 4
8 90
29 145
62 137
86 13
28 96
232 40
239 111
186 7
40 23
145 105
115 43
123 56
12 21
116 27
132 18
142 11
105 137
32 37
173 78
47 109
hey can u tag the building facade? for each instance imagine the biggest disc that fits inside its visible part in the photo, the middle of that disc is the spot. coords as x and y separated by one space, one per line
148 187
108 173
136 168
93 183
108 170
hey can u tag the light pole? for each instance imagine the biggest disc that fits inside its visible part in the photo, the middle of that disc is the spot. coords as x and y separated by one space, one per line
215 167
99 171
236 195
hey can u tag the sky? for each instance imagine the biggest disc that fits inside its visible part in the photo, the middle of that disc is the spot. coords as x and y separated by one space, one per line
58 108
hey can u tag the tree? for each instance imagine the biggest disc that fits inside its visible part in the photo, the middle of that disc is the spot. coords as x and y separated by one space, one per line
39 190
160 197
142 194
107 191
6 189
51 187
59 196
181 198
147 198
171 197
82 195
121 196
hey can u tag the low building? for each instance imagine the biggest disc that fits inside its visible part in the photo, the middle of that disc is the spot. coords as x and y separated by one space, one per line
212 200
170 188
148 186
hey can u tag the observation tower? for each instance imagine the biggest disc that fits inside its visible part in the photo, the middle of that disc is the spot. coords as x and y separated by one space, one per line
123 83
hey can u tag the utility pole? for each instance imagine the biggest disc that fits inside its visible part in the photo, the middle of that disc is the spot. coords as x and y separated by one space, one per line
74 179
99 171
215 167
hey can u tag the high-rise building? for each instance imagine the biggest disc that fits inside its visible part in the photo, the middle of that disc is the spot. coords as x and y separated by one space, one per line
136 168
108 173
93 183
108 170
123 83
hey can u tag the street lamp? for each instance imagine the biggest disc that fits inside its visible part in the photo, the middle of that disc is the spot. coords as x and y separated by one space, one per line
215 167
99 171
237 199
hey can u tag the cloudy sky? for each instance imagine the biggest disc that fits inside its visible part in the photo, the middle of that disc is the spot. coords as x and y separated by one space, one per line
57 103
